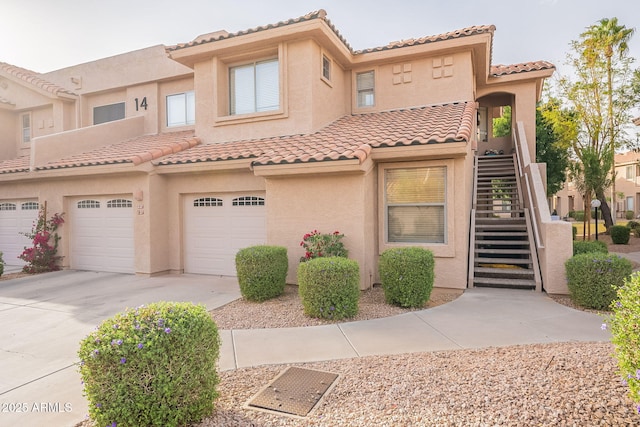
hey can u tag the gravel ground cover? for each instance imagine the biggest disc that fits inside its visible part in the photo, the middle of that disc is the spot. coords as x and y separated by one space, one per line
567 384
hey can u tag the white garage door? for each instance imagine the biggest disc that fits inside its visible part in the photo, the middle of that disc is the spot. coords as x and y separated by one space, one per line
16 217
217 226
102 234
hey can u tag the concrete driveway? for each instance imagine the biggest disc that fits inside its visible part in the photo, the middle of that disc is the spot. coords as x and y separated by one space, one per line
44 317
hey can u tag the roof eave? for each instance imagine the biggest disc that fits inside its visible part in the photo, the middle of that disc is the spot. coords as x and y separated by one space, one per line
317 29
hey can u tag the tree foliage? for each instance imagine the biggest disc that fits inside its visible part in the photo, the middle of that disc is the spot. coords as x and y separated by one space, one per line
598 96
551 148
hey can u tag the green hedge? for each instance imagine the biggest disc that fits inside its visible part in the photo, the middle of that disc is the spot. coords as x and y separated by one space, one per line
620 234
152 366
407 276
626 334
329 287
262 271
587 246
629 215
593 278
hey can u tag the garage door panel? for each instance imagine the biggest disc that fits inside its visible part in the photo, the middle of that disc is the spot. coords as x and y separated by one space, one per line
16 217
217 226
103 235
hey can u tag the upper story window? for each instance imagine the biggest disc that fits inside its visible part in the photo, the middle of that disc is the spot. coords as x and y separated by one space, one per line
108 113
326 68
181 109
255 87
365 83
25 121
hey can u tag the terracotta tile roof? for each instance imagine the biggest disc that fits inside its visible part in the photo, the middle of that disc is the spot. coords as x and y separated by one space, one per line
19 164
464 32
503 70
348 138
222 35
136 150
34 79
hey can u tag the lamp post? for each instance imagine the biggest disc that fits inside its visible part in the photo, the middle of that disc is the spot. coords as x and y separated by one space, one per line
595 203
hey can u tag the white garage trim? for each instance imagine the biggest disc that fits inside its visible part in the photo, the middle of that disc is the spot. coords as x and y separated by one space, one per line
102 234
16 217
216 226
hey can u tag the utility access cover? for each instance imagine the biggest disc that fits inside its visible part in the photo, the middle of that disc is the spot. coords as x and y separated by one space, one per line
296 391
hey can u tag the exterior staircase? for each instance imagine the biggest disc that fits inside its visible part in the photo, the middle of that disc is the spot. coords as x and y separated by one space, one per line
501 254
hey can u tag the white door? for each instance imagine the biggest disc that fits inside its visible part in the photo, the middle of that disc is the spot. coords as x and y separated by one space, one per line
217 226
102 234
16 217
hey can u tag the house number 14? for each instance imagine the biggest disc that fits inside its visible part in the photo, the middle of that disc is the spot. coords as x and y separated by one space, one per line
141 104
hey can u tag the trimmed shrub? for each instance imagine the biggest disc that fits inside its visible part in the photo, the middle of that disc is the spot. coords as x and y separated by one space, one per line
574 231
152 366
262 271
620 234
593 278
629 215
578 216
329 287
633 224
407 276
588 246
626 334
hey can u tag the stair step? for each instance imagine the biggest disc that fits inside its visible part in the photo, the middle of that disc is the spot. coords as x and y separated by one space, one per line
495 235
501 227
508 251
503 242
515 273
504 283
507 261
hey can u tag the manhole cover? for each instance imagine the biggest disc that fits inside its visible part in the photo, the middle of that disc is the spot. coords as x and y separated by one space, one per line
295 391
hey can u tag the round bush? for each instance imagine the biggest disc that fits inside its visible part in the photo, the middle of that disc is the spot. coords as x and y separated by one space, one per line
588 246
626 334
593 278
620 234
629 214
329 287
262 271
152 366
407 276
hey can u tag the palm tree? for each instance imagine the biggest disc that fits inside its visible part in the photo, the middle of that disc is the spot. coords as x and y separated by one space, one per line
606 38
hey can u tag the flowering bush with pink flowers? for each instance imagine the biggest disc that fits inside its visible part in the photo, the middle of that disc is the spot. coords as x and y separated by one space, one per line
42 256
317 245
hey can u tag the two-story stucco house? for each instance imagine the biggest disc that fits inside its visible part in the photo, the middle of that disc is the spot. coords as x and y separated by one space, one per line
170 159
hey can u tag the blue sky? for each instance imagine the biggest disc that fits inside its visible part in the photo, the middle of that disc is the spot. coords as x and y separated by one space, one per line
45 35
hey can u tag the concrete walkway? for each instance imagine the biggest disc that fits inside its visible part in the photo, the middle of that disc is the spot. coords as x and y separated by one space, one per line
44 318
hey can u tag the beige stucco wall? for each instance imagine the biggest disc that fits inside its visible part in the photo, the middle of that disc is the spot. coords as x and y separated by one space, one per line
419 81
9 135
301 204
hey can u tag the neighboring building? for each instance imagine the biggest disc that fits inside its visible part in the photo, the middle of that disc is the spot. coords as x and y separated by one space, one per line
171 159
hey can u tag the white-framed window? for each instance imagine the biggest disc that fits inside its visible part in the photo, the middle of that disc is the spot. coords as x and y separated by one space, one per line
25 126
119 203
326 68
7 206
248 201
415 208
108 113
207 201
365 85
30 206
181 109
630 206
254 87
630 172
88 204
